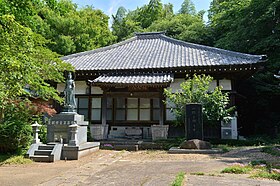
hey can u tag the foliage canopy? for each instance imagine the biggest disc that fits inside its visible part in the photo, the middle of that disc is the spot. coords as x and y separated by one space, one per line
196 90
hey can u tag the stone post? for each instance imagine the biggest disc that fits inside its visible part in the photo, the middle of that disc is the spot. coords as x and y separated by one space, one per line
74 131
35 128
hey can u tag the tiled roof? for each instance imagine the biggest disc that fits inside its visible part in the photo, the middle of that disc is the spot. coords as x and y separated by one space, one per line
153 78
154 51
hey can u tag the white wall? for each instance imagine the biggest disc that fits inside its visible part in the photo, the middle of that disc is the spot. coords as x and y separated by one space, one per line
213 85
96 90
80 88
225 83
175 85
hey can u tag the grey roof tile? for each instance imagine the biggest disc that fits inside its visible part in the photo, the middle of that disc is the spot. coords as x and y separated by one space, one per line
153 78
155 50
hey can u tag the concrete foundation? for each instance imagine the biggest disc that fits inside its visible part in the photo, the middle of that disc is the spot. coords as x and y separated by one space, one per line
177 150
76 152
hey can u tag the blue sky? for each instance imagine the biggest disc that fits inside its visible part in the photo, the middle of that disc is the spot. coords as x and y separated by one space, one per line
110 7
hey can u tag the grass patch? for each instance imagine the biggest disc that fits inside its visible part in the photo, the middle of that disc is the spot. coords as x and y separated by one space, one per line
237 169
224 148
258 162
236 143
273 150
179 179
216 175
16 160
256 169
265 174
197 173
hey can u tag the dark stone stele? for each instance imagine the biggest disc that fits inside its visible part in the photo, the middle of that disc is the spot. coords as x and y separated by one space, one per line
194 121
195 144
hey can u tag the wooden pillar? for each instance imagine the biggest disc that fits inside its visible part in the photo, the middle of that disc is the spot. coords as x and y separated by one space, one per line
89 101
161 106
232 93
104 108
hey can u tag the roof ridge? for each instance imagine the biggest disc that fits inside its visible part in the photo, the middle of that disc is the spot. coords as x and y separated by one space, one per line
140 35
223 51
99 49
136 74
149 33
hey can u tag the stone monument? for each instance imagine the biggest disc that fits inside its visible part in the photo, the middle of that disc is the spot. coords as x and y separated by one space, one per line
194 122
66 133
60 126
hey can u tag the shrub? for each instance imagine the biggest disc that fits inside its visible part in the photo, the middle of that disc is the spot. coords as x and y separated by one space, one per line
15 128
196 90
43 134
16 160
258 162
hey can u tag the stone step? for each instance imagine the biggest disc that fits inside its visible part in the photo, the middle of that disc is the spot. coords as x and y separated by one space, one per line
46 147
126 147
40 158
43 152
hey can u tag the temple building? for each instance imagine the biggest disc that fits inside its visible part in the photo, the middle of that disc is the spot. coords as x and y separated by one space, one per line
119 88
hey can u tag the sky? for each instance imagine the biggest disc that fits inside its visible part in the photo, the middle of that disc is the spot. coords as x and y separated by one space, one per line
110 7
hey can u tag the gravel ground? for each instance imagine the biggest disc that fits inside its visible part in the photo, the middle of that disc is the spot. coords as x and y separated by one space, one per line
137 168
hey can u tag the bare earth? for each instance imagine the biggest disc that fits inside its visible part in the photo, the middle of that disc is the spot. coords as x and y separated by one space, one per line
137 168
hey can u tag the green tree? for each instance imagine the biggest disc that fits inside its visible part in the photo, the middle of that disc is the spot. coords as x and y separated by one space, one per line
196 90
167 10
183 27
25 63
73 30
149 13
124 24
187 7
69 29
26 68
252 26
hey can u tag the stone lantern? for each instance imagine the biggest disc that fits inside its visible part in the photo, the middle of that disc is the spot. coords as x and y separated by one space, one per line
35 128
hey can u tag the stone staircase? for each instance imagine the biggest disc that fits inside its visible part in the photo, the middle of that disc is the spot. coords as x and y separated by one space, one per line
46 153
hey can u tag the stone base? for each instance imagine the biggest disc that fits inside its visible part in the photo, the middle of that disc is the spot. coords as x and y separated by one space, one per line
177 150
195 144
127 147
159 132
74 153
99 132
58 127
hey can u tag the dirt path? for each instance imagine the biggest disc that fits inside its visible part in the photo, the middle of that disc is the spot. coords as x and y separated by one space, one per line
135 168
